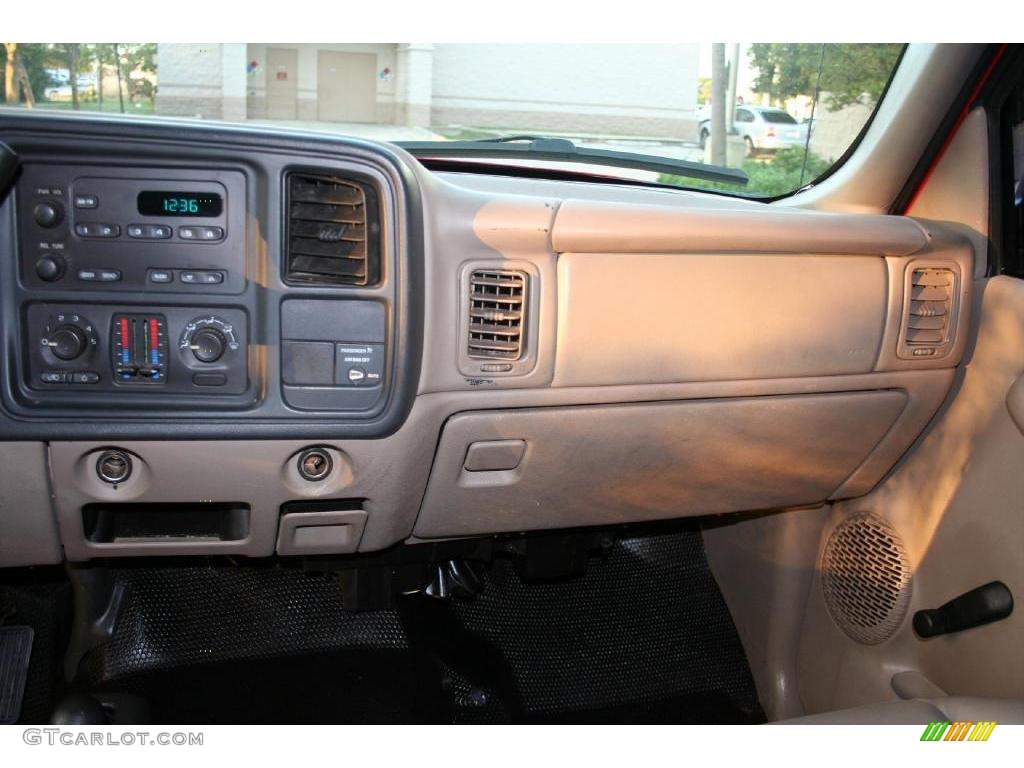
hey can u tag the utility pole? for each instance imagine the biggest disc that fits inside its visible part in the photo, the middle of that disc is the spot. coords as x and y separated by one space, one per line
730 98
718 103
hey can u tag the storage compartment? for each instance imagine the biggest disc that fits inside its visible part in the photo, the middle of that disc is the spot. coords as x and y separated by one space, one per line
326 527
608 464
161 523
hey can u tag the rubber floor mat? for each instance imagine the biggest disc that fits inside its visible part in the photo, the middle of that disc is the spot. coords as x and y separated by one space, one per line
15 652
40 599
643 636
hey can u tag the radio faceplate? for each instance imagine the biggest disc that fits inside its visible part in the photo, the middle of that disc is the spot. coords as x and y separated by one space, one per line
81 230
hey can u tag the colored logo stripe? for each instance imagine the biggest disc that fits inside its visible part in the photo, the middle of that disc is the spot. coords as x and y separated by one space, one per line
958 731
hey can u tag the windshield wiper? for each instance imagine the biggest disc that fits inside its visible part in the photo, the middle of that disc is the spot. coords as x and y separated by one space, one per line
547 148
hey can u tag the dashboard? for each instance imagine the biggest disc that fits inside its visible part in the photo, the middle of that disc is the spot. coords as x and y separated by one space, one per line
148 286
223 340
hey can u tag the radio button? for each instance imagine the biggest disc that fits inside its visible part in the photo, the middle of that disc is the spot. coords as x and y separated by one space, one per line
50 268
109 275
53 377
88 274
84 377
161 276
48 214
201 277
209 379
201 233
97 230
86 201
149 231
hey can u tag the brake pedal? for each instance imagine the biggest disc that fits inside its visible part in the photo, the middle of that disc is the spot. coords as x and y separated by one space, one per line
15 652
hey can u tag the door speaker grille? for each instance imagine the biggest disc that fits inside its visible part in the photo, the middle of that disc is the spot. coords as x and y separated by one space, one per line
866 578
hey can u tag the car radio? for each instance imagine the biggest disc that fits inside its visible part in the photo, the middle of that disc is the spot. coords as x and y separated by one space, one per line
166 230
149 233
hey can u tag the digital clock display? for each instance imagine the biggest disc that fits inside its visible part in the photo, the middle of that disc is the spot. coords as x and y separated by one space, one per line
198 204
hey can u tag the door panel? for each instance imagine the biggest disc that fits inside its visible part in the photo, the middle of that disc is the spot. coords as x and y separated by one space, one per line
282 83
955 503
347 86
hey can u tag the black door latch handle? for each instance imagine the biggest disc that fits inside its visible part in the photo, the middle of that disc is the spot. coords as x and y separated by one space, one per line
982 605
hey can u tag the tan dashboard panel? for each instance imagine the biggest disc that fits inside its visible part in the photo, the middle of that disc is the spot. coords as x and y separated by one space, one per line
609 464
588 226
655 318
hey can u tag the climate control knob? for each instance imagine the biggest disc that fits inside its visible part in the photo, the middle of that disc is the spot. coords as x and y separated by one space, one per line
67 342
208 345
206 340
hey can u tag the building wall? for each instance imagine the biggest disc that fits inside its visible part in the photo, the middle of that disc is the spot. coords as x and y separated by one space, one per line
646 90
190 80
307 77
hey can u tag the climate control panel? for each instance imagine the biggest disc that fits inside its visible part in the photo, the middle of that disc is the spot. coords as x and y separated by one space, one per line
103 348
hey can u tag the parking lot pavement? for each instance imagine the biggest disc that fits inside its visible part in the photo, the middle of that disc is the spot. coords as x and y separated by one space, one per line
372 131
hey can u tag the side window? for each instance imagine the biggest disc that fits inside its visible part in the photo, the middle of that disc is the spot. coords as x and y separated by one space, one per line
1012 196
744 116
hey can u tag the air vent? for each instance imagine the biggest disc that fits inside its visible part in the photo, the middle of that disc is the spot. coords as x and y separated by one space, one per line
333 231
931 305
497 302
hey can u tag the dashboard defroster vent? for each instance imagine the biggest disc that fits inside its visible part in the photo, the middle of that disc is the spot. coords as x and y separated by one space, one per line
931 306
497 302
333 231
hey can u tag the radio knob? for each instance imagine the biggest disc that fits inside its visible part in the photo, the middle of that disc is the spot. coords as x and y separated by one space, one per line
48 214
50 268
67 342
208 345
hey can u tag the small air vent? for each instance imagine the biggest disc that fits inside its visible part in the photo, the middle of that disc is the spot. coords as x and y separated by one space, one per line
497 302
333 231
931 305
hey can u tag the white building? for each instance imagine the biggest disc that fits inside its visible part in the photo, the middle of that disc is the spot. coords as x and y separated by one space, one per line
645 90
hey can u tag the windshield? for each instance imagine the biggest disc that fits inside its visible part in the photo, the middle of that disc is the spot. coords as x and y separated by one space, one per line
696 103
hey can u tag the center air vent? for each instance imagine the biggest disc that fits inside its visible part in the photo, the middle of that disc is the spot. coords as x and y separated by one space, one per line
333 231
497 301
931 307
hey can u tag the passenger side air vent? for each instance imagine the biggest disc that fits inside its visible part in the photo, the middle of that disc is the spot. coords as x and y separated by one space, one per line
333 231
930 309
497 303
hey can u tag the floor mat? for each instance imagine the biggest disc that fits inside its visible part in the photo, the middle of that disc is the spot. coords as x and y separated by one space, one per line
39 598
643 636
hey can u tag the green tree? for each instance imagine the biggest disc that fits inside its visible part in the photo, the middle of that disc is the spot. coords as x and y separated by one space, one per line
851 73
34 57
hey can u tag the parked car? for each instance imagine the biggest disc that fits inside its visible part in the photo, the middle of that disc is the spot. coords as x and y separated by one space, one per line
764 129
60 90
